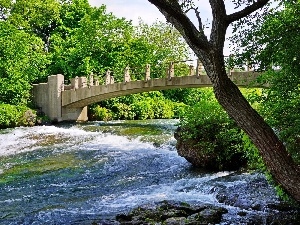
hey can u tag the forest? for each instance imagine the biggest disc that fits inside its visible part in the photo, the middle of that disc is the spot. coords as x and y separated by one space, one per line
70 37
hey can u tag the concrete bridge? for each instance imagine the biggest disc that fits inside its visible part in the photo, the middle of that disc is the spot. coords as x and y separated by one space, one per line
69 102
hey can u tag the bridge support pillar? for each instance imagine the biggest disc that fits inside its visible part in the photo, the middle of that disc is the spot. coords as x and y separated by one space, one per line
55 87
48 96
74 114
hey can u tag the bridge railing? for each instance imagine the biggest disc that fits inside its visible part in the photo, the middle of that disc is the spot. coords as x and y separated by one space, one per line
195 68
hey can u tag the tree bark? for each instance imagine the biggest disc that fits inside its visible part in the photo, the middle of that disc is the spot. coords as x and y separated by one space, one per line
277 160
280 164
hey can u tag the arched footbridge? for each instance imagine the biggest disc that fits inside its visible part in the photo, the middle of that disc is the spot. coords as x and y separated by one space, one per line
69 102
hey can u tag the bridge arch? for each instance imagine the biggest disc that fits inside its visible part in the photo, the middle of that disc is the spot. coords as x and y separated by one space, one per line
69 102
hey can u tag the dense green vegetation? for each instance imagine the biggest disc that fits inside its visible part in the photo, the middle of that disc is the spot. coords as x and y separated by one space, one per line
215 135
274 47
41 38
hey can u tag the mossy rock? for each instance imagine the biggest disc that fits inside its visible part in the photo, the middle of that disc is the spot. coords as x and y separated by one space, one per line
170 212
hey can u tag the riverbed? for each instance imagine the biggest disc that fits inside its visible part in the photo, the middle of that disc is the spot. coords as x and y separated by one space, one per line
90 172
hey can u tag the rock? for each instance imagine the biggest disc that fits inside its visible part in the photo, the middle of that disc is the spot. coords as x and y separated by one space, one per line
210 215
258 198
173 213
175 221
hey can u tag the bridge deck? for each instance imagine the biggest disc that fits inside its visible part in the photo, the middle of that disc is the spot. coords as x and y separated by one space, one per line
81 97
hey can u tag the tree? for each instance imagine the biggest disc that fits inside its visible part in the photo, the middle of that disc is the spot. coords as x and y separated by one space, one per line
22 62
268 44
90 40
96 44
210 51
163 44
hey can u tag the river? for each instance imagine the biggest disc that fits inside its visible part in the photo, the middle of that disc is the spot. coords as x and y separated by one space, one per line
79 173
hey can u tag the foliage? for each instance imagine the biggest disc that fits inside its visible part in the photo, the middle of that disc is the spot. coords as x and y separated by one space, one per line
216 134
11 116
189 96
163 44
99 113
280 105
273 50
5 6
179 109
143 109
22 62
39 17
96 45
254 160
149 105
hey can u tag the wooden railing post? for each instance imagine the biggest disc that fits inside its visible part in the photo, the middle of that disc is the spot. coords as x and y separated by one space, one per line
192 70
170 71
147 72
107 77
199 68
126 75
74 83
91 80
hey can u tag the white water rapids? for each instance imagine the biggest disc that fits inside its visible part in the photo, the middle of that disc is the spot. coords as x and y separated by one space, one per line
78 173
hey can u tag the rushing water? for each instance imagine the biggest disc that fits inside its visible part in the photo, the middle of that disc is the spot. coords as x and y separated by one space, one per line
78 173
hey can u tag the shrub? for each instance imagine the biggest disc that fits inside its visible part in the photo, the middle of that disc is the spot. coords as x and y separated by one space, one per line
12 116
163 108
100 113
143 109
208 138
179 109
122 111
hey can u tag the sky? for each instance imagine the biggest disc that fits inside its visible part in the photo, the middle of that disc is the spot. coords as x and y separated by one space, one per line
135 9
131 9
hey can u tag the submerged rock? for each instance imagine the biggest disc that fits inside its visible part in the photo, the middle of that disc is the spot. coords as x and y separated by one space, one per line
241 198
254 201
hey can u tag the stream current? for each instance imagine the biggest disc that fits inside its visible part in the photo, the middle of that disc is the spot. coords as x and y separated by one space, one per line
80 173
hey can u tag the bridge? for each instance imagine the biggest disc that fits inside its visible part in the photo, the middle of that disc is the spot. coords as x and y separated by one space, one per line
62 102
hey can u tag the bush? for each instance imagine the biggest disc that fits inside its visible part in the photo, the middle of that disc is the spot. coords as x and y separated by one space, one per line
12 116
122 111
179 109
163 108
208 138
143 109
100 113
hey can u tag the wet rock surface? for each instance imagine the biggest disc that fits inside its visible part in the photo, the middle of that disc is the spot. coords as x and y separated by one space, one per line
253 201
244 199
169 212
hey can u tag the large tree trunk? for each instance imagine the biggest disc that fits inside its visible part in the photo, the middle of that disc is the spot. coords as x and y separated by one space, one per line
280 164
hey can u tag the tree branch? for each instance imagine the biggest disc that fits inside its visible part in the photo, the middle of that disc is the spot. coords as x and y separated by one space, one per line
197 13
175 15
219 24
246 11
